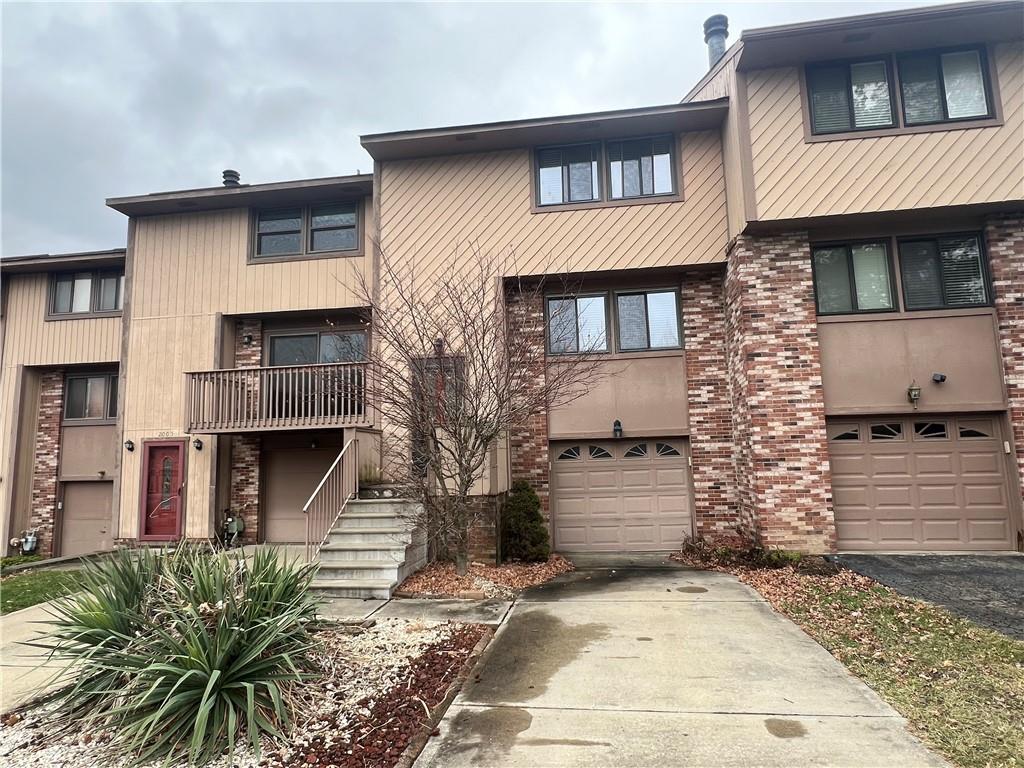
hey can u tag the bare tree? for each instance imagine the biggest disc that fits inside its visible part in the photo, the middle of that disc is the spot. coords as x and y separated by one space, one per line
450 379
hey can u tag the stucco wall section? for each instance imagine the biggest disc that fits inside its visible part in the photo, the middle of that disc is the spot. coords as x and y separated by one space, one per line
782 467
47 458
528 443
711 440
1004 237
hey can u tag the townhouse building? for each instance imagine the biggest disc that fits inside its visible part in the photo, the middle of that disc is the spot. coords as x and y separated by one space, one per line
807 278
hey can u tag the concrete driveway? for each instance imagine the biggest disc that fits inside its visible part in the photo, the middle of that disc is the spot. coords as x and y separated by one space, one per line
983 588
663 667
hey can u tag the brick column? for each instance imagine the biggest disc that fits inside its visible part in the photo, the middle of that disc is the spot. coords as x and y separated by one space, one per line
784 483
245 449
710 409
1004 239
47 459
528 443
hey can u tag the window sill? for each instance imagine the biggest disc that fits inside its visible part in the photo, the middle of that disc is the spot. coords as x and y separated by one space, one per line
959 125
653 200
304 256
50 317
88 422
914 314
612 356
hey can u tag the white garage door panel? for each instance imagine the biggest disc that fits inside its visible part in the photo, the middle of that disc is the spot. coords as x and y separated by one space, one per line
920 483
606 501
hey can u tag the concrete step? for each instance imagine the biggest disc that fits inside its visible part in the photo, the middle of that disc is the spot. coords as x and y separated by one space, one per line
372 519
363 588
391 535
361 550
360 569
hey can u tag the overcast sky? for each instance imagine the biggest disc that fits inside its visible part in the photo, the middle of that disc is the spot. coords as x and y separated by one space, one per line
102 100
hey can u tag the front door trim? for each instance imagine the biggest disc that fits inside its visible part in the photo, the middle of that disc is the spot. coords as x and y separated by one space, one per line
181 444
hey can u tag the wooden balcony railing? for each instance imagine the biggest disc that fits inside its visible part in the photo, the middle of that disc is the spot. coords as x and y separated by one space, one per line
279 397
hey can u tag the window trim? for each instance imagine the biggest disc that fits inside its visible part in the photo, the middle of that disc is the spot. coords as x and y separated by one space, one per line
989 73
604 181
894 288
886 59
986 276
644 292
306 233
608 347
95 275
91 420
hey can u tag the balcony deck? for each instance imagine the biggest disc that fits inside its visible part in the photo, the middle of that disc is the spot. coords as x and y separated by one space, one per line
288 397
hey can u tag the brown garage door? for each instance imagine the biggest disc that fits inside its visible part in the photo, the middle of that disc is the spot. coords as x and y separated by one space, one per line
630 496
289 477
920 483
85 517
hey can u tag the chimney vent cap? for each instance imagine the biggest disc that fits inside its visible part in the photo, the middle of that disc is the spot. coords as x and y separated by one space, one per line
231 178
719 23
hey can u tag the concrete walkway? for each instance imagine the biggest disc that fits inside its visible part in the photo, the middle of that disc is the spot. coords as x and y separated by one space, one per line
663 667
24 673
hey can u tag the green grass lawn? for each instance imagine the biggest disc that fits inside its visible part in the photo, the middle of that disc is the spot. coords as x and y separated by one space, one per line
22 590
959 685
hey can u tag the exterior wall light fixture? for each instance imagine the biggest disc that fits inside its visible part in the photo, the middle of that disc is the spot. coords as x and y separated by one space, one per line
247 339
129 446
617 429
914 393
197 444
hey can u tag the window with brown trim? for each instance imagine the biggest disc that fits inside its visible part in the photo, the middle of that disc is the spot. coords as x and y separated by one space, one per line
91 397
304 232
577 324
86 293
614 171
853 277
943 272
899 91
647 320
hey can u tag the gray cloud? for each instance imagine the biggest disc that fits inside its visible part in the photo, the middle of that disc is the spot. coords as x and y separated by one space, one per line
106 100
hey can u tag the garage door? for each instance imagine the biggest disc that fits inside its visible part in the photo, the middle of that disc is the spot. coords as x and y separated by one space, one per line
85 518
290 476
920 483
631 496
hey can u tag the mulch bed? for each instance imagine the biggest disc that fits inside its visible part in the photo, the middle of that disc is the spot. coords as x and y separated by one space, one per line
504 581
385 725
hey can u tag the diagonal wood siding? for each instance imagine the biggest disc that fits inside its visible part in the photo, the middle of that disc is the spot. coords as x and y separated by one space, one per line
923 170
431 207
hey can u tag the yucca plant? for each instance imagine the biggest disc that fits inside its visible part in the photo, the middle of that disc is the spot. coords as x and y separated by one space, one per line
176 655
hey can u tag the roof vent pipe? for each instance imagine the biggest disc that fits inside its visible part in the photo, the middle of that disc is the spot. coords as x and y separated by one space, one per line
716 29
231 178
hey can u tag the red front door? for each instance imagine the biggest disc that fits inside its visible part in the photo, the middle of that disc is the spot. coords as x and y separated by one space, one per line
162 494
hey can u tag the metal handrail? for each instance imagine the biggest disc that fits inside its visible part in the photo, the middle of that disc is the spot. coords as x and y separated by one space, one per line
339 485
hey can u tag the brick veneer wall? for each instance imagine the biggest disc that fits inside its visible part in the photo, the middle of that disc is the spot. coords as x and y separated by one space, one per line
710 409
46 458
1004 239
245 449
784 486
528 442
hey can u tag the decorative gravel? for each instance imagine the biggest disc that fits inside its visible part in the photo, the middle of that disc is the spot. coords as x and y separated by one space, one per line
376 687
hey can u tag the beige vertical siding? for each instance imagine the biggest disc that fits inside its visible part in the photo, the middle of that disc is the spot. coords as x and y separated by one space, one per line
30 340
948 167
187 270
431 207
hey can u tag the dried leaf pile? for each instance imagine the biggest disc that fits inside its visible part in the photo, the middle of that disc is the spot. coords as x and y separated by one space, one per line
959 685
502 581
372 693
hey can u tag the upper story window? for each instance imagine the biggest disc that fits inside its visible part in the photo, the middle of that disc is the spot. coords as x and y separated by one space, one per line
568 174
640 167
942 272
647 320
86 293
577 324
91 397
904 91
312 347
853 278
610 171
311 231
